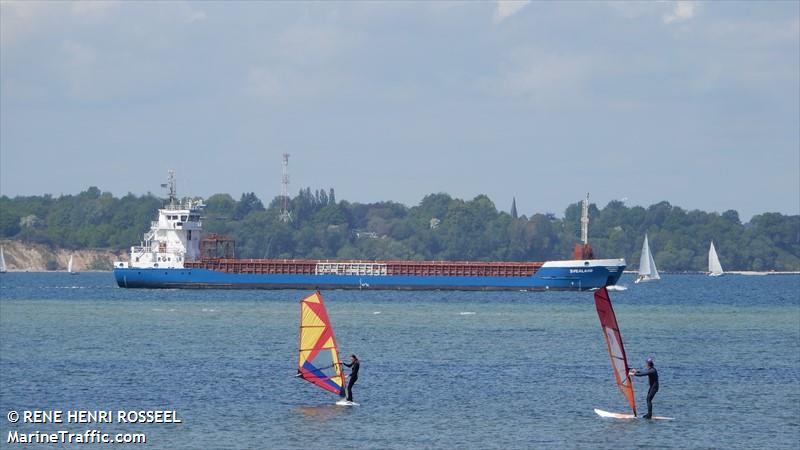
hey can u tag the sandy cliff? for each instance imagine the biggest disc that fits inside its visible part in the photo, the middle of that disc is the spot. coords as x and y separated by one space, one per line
24 257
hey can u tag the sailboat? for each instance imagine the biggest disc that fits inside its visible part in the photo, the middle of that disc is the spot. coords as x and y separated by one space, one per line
647 265
714 267
2 261
619 362
69 266
319 362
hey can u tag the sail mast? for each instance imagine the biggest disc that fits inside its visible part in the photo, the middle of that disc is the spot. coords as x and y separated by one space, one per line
714 266
644 260
619 362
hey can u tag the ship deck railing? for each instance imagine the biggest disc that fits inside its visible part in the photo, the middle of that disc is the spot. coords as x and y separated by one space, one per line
368 268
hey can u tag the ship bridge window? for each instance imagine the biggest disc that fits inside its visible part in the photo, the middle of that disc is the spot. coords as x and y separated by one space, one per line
178 224
183 218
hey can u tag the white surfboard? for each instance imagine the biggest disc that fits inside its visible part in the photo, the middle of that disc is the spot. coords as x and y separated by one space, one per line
346 403
614 415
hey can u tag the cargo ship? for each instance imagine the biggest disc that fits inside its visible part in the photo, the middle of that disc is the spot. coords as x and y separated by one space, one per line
176 254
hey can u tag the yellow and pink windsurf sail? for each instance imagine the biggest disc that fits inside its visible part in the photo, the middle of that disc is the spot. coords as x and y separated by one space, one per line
319 356
619 363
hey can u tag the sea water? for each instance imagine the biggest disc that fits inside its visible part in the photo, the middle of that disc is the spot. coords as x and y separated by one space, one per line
438 369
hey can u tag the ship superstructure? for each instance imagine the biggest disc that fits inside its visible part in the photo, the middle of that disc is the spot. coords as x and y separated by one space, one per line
173 239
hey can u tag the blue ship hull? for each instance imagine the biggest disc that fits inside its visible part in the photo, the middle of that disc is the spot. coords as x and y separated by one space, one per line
546 278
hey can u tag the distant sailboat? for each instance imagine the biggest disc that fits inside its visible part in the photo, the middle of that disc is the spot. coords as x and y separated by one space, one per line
714 267
647 266
2 261
69 266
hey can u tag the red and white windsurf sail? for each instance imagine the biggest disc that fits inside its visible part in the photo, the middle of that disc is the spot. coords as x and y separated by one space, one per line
619 363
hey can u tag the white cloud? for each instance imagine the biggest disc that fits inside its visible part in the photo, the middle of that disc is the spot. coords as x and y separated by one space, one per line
507 8
681 11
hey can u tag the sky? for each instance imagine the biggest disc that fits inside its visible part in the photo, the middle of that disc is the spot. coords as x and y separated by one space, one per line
695 103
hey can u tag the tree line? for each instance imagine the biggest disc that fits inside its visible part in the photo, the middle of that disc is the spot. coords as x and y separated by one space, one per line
440 227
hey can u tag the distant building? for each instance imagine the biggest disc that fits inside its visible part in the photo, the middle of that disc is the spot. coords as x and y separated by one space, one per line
366 235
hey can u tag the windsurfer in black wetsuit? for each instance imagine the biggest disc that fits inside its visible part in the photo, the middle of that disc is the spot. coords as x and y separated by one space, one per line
354 364
652 375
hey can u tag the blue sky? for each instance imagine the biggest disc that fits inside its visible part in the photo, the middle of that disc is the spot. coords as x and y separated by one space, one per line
694 103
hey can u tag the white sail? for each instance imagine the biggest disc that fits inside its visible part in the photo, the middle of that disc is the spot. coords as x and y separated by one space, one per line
2 261
647 265
714 267
69 264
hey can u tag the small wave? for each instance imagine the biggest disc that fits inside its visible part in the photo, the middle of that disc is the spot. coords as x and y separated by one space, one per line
376 312
617 287
209 310
467 313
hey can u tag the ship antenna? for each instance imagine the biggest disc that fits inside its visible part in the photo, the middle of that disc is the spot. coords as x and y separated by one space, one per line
170 186
585 220
286 216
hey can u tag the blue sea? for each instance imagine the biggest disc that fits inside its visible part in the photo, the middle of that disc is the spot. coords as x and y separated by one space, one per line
461 370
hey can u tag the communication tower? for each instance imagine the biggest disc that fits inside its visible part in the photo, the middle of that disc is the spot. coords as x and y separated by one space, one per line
286 216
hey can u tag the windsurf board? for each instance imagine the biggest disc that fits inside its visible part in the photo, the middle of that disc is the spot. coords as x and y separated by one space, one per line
614 415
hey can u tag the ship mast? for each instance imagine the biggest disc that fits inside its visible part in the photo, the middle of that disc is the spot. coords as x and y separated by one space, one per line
172 190
582 249
585 220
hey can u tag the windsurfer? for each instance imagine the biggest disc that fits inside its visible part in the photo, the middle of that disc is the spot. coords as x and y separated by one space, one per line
354 365
652 374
